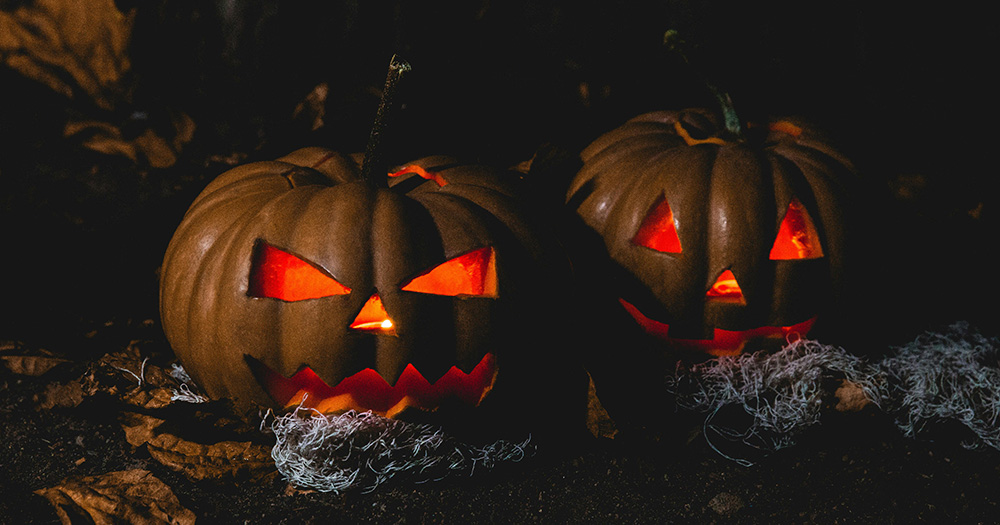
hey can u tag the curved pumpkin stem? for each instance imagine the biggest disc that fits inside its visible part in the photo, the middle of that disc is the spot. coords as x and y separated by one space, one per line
372 169
731 120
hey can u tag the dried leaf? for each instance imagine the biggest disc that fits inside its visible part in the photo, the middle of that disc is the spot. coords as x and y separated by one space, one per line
66 395
129 496
225 459
30 365
147 149
139 428
157 397
850 397
75 48
313 107
599 422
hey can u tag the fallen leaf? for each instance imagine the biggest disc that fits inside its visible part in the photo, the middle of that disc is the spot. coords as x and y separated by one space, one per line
147 149
65 395
129 496
30 365
850 397
75 48
157 397
139 428
313 108
599 422
225 459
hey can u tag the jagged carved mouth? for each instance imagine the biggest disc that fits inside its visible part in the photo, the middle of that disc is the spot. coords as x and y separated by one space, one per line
367 390
723 342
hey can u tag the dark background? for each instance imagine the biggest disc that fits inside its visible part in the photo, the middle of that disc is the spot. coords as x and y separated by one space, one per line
905 92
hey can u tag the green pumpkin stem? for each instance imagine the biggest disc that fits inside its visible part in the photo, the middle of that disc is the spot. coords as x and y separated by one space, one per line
372 169
731 120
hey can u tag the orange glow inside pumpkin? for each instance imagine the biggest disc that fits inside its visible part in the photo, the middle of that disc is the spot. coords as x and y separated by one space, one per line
367 390
786 127
280 275
373 318
658 230
797 237
472 273
723 342
726 289
429 175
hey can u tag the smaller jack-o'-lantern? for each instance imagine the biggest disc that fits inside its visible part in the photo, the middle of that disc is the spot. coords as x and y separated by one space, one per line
724 238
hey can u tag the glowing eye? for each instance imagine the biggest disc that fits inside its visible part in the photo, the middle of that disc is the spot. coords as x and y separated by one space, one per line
281 275
797 237
658 230
473 273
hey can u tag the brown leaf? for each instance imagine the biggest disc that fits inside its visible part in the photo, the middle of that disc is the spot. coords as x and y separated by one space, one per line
225 459
599 422
850 397
30 365
66 395
313 108
139 428
76 48
129 496
157 397
147 149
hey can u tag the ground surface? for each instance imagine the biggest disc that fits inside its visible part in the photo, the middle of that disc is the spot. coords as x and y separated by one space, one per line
851 468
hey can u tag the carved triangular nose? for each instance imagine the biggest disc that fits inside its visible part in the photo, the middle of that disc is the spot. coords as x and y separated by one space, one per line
726 289
373 318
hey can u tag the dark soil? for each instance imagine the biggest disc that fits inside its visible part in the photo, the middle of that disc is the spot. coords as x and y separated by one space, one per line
851 468
82 233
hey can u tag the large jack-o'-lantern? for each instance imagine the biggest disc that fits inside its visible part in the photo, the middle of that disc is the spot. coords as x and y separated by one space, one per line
295 282
317 280
725 242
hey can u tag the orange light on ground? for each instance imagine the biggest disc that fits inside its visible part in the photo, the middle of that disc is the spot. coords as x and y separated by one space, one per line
373 318
367 390
280 275
726 289
797 237
723 342
472 273
658 230
424 174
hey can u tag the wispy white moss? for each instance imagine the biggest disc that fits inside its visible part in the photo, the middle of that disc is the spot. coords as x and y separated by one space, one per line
334 453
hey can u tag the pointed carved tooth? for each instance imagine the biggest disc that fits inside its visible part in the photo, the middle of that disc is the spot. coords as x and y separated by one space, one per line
402 405
296 400
341 403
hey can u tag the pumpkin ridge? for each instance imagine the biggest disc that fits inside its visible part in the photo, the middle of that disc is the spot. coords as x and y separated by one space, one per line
200 310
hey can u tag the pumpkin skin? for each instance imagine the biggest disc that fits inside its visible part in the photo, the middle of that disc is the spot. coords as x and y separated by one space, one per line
233 335
728 199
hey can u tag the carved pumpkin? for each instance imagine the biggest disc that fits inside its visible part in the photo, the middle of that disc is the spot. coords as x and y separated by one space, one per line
721 240
296 279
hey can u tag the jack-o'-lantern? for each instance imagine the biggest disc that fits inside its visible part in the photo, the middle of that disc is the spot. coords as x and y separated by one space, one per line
724 241
295 282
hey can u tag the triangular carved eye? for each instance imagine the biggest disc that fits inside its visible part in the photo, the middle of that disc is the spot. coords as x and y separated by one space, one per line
659 231
280 275
726 289
473 273
797 237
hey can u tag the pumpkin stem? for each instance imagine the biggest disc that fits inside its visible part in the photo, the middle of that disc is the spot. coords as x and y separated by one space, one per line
372 170
731 120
